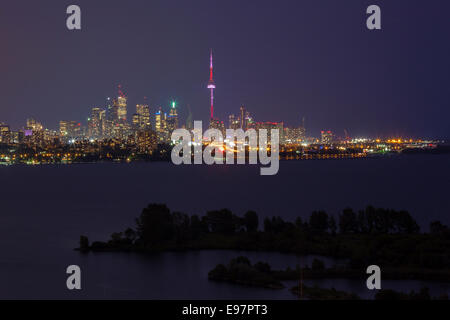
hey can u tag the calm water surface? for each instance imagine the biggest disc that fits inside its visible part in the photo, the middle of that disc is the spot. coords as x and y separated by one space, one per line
44 209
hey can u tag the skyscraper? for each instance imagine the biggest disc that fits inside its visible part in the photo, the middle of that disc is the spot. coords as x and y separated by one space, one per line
121 103
211 84
158 120
119 107
117 125
172 119
161 125
97 123
143 116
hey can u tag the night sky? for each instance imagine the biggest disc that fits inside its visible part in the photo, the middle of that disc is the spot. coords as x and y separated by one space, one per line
282 59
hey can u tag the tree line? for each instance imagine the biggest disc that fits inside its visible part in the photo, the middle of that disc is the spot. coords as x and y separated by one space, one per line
157 224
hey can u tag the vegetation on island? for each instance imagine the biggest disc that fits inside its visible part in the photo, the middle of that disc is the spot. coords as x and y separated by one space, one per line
316 293
240 271
423 294
388 238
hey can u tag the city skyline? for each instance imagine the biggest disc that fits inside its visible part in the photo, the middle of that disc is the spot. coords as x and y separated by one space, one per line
114 121
326 67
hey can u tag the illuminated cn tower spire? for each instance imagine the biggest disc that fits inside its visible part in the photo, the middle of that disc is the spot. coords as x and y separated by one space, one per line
211 84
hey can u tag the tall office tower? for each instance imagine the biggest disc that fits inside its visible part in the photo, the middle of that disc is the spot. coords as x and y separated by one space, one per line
158 120
161 126
117 124
96 123
119 108
211 84
121 105
109 119
243 124
114 114
143 112
172 119
102 118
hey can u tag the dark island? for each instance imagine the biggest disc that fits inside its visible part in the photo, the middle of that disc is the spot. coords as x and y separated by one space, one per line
240 271
388 238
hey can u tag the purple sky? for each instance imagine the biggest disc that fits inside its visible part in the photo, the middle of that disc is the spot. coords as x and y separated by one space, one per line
282 59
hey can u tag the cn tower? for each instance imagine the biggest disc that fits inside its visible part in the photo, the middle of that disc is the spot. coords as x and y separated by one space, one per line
211 84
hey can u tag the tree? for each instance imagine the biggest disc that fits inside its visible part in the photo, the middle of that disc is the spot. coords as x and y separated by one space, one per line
276 225
251 221
318 222
348 222
155 224
84 243
181 223
116 237
240 260
198 227
404 223
222 221
437 228
130 235
262 267
332 225
317 264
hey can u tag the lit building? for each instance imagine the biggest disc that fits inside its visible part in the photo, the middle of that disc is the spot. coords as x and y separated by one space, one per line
269 126
327 137
121 103
5 133
34 125
143 112
69 129
294 135
96 123
158 120
146 140
135 121
35 132
161 126
116 125
217 124
172 119
233 122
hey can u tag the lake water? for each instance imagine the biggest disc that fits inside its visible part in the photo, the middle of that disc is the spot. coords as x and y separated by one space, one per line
44 210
